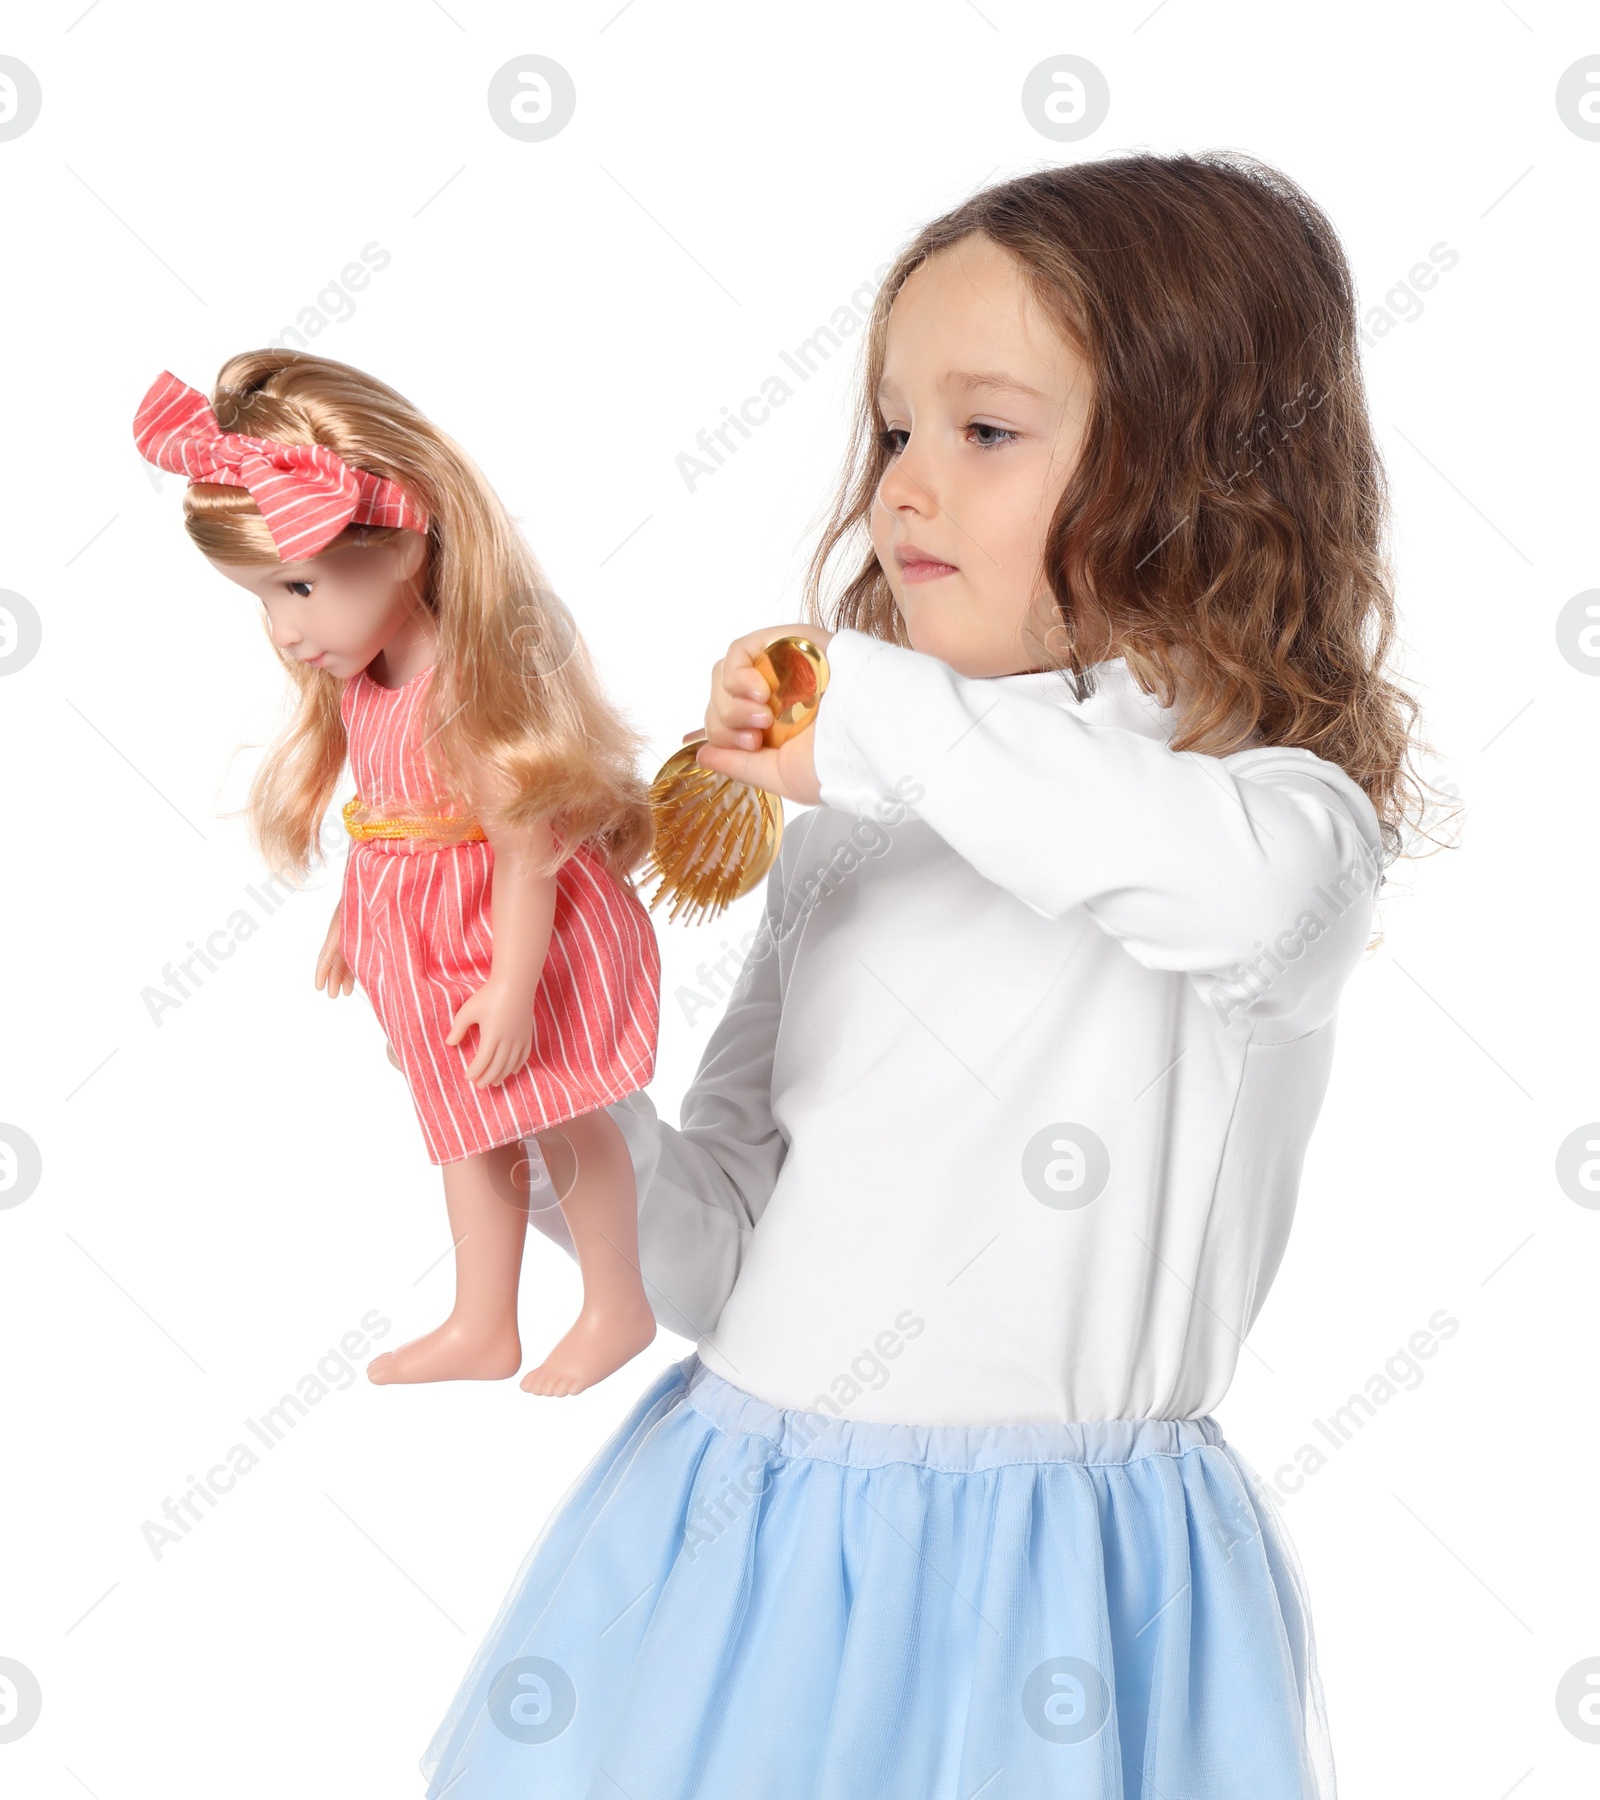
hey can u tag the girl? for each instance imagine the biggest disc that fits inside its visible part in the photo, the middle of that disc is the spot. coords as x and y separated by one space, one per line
486 908
988 1168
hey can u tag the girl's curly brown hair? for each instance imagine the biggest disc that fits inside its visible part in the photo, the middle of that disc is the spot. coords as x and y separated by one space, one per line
1228 514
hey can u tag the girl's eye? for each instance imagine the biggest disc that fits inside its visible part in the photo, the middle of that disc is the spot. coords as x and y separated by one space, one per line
893 439
1001 435
298 588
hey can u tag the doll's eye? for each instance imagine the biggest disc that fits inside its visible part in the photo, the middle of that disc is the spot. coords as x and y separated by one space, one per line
298 588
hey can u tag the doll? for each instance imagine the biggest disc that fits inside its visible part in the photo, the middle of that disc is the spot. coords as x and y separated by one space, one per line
487 908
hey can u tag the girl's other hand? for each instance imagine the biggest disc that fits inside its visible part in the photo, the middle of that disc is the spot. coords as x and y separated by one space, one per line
333 972
739 713
504 1018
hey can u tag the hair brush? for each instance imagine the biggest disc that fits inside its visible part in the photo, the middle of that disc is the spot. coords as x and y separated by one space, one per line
715 837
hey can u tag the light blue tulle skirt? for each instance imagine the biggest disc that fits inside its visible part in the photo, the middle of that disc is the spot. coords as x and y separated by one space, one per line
737 1601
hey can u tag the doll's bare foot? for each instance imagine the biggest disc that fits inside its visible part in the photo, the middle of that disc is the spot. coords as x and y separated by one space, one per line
601 1340
450 1353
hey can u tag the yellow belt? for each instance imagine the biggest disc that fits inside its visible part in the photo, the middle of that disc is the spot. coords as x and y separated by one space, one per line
423 827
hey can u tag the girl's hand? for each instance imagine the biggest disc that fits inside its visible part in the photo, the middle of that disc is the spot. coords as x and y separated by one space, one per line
333 972
503 1015
739 713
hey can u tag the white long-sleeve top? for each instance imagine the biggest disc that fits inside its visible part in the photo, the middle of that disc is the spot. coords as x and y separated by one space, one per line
1005 1117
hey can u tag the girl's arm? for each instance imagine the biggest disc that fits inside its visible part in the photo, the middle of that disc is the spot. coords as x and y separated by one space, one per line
1265 860
522 903
704 1183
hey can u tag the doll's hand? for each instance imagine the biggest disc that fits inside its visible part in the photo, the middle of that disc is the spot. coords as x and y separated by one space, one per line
739 713
504 1018
333 972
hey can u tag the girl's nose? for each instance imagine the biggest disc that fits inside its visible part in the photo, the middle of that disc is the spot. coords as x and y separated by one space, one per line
905 484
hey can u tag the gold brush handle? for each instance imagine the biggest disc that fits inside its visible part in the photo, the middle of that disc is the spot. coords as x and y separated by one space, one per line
796 673
714 839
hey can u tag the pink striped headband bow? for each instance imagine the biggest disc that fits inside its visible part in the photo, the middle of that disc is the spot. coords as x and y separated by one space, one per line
306 493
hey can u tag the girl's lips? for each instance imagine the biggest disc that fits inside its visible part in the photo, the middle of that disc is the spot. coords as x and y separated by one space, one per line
926 571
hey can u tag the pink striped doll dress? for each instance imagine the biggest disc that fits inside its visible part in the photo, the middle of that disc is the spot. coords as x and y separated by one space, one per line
415 930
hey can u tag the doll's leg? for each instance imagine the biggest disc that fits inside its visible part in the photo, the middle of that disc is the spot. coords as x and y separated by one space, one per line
601 1208
478 1342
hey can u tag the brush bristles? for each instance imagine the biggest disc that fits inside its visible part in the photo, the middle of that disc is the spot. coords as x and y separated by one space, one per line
708 830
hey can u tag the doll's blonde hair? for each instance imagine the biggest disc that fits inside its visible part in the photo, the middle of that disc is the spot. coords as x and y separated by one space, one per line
515 724
1228 516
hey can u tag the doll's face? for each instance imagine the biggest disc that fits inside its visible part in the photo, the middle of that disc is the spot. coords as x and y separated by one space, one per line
985 409
339 610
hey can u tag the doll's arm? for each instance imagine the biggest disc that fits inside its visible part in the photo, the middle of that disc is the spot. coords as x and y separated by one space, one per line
1194 863
522 901
334 974
704 1183
522 907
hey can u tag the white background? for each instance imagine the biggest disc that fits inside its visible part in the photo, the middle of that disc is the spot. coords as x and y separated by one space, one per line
225 1194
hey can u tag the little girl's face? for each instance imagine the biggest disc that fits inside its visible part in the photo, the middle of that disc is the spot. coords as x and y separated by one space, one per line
337 611
985 408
